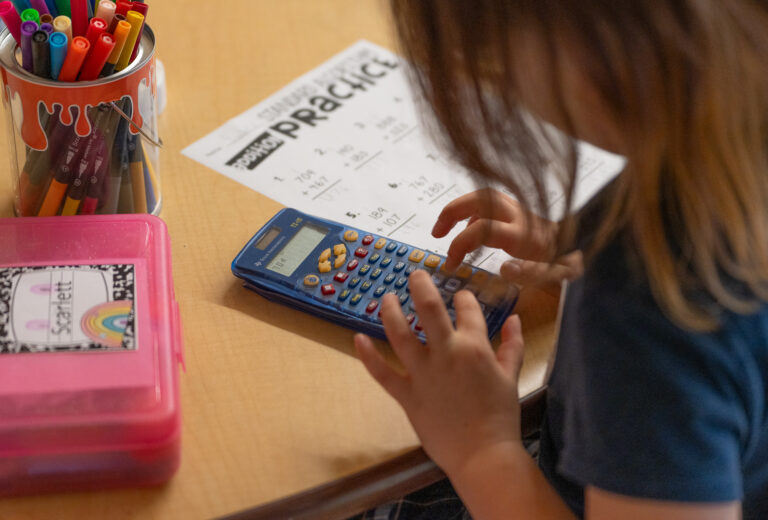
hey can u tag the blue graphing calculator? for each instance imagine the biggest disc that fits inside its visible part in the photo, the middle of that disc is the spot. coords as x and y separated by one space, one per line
340 273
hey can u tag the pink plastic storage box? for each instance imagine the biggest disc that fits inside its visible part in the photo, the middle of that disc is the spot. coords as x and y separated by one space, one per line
89 346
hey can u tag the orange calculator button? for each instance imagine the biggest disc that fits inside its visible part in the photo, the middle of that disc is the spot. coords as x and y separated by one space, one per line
339 261
325 255
324 267
416 255
464 271
350 235
380 243
480 278
339 249
432 261
311 280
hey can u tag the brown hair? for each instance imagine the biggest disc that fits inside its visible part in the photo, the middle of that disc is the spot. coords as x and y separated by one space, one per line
685 80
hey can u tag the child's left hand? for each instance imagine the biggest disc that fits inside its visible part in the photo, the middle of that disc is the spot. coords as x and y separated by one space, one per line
460 395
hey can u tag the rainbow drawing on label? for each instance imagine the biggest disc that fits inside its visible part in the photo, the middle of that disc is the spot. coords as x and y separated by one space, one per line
105 323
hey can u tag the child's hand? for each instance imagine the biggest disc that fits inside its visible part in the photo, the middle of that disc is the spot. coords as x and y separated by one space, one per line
460 396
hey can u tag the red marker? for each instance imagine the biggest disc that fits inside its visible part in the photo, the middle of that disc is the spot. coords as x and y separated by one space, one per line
79 17
97 57
123 7
95 29
12 20
140 8
78 48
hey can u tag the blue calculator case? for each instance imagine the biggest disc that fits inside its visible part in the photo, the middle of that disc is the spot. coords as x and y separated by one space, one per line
340 273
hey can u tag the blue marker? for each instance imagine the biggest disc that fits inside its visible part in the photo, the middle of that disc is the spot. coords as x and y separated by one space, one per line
21 5
58 43
52 7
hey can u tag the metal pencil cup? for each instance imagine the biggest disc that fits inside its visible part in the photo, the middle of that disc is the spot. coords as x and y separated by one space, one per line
79 148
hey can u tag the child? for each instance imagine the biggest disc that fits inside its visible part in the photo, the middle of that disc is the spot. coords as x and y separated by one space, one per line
658 401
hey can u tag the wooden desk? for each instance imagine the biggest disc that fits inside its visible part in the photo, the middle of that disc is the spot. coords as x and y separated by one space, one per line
273 400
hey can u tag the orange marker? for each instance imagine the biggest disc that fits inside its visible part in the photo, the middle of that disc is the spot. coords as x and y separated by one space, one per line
136 20
78 49
121 35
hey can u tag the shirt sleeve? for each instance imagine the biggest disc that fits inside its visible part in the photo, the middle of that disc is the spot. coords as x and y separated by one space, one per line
654 411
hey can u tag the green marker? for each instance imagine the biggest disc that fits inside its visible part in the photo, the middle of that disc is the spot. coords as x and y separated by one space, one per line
30 14
62 6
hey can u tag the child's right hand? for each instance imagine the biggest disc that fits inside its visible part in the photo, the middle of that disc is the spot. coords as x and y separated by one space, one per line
497 220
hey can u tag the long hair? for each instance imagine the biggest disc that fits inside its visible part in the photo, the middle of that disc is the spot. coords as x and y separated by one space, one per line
685 81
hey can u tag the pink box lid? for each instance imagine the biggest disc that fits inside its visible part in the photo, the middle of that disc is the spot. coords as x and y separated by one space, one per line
89 333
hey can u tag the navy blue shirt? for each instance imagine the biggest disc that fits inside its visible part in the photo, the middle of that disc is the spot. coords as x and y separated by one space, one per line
640 407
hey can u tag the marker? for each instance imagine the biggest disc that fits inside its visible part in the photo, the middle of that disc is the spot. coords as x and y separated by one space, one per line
106 11
40 6
28 28
12 19
62 174
58 43
41 54
125 200
51 4
46 27
82 174
135 19
120 34
96 27
78 49
62 7
154 183
136 167
97 57
91 201
118 157
79 16
21 5
150 189
122 7
30 14
115 20
63 24
142 8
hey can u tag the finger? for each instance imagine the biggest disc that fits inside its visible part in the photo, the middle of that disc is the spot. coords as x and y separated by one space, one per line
378 367
469 316
398 331
526 273
486 202
482 232
430 307
510 351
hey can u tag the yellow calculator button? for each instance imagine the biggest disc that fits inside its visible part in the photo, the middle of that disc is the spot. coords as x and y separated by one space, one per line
480 278
324 267
464 271
311 280
432 261
380 243
339 261
339 249
416 255
325 255
350 235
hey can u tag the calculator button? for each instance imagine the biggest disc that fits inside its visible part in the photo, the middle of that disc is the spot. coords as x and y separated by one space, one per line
410 270
367 240
401 282
351 265
366 285
328 289
311 280
341 276
372 306
391 247
480 278
410 317
416 255
350 235
339 249
386 261
361 252
403 298
432 261
389 278
418 327
438 279
376 273
364 269
380 243
379 291
343 295
464 271
452 285
374 258
354 282
402 250
339 261
355 299
325 255
324 267
399 267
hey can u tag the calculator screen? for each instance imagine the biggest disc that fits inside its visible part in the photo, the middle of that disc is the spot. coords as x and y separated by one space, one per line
297 249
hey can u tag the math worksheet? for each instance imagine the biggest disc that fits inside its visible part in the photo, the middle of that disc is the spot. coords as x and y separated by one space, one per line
345 142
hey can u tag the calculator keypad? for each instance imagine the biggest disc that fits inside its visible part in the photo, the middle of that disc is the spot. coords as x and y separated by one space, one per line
357 285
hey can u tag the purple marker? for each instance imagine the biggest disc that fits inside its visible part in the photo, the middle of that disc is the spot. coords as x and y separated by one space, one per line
41 6
28 28
47 28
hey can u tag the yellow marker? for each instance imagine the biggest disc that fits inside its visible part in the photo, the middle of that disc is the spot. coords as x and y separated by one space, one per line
339 261
339 249
122 31
325 255
63 24
416 255
324 267
350 235
151 169
53 198
432 261
380 243
136 20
